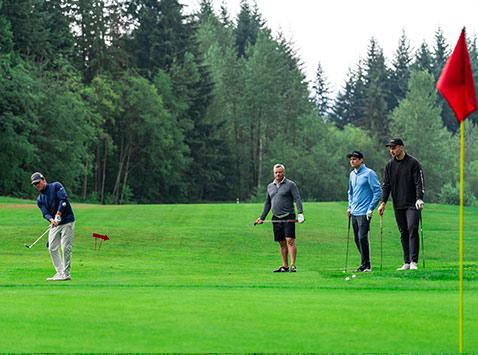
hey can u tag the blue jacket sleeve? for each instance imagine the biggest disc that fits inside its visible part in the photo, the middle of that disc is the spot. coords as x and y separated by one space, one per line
62 197
350 192
376 190
44 210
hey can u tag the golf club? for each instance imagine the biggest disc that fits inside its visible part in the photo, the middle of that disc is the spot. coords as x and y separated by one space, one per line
369 237
280 221
381 242
421 232
347 250
40 237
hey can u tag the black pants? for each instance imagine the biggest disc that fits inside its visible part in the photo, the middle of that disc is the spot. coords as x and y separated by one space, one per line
407 222
361 228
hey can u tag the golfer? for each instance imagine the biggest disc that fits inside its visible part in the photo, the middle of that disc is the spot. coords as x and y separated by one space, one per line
56 209
403 178
364 194
280 195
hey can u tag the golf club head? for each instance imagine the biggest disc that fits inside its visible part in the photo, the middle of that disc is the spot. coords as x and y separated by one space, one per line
27 246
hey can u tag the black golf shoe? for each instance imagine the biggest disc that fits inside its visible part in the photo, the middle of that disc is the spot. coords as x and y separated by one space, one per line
282 269
364 268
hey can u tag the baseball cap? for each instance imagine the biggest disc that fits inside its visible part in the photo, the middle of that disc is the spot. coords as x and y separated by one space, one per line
355 154
36 177
395 141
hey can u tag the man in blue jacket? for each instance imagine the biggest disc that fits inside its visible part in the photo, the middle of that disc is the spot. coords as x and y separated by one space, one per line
364 194
56 209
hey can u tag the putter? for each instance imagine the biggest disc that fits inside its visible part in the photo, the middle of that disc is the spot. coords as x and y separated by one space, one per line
347 250
36 241
381 242
423 243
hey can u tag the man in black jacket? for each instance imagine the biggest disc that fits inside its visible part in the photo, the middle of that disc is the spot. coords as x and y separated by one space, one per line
403 178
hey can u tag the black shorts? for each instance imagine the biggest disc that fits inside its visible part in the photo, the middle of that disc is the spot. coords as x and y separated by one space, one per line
283 229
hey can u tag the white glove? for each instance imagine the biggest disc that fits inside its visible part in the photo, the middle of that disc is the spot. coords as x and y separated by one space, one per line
369 215
300 218
419 204
57 218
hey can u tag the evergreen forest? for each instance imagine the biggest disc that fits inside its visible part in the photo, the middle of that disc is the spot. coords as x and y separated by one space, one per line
135 101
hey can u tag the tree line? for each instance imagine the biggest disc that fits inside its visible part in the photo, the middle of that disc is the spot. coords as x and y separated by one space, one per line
134 101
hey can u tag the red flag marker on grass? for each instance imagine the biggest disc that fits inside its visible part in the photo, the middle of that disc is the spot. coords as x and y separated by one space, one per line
102 237
456 81
457 86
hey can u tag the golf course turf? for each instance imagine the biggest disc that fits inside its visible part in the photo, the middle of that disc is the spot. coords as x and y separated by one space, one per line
198 278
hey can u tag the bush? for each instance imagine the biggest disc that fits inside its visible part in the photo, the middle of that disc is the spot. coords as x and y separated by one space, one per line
450 195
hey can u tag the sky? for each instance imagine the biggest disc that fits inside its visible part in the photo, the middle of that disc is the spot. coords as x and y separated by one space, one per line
337 33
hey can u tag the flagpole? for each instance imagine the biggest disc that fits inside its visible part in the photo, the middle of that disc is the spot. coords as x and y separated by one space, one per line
462 188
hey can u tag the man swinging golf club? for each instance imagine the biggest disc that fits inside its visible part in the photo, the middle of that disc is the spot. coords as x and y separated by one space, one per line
403 178
56 209
281 194
363 194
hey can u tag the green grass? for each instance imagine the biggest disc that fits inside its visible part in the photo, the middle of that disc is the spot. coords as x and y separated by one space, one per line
197 278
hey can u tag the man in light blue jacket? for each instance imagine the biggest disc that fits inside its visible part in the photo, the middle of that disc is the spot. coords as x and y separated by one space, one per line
364 194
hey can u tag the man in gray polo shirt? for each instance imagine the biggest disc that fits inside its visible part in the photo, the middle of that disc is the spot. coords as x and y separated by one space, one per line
281 194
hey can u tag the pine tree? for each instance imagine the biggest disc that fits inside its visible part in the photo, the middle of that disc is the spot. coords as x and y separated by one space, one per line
91 22
321 94
423 59
400 72
40 29
377 96
440 56
6 35
162 36
249 23
349 104
440 53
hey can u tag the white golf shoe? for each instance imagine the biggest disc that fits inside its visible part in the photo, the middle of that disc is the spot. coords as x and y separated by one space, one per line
413 266
57 277
404 267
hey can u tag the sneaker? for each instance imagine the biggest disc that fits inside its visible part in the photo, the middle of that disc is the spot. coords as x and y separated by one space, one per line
293 269
413 266
405 266
364 268
282 269
57 277
66 277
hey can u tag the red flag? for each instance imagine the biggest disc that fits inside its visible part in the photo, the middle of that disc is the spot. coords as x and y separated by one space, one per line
100 236
456 82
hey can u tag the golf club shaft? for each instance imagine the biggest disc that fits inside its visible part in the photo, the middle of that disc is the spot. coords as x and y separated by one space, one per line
423 243
280 221
40 237
347 250
381 242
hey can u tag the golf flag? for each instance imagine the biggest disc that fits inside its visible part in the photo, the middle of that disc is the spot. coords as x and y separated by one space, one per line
100 236
456 81
458 88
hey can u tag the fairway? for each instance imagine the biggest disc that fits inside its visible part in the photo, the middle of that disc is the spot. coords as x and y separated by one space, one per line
197 278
